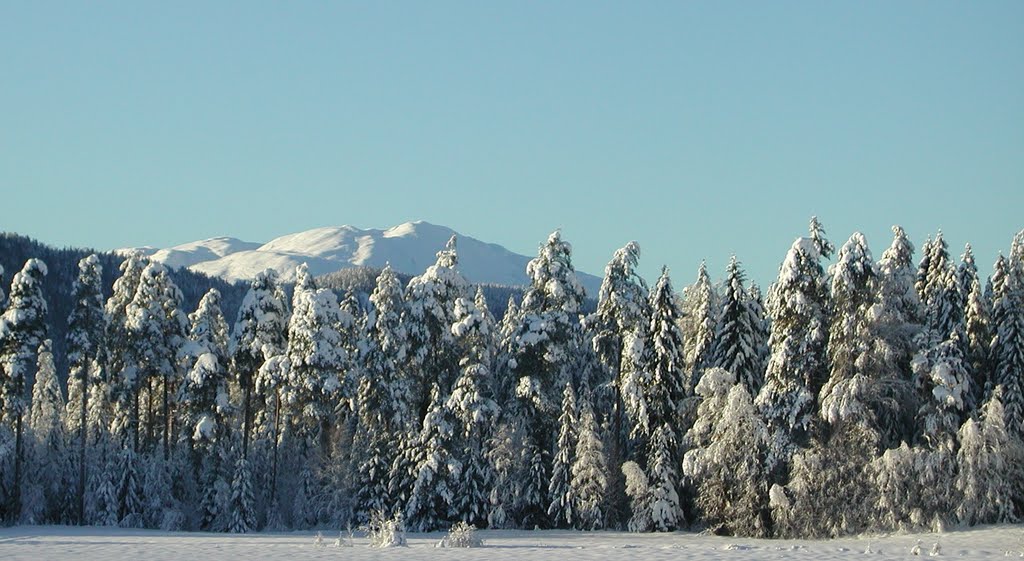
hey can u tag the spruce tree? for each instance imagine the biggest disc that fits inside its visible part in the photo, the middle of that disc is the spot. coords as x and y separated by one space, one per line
560 510
796 368
728 471
547 337
662 462
1008 344
388 351
429 315
240 507
985 481
432 494
589 472
702 317
738 342
474 411
48 459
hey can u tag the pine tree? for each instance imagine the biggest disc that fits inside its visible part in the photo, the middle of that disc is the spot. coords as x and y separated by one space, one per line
158 330
258 335
560 510
48 458
84 342
589 473
22 330
737 344
120 348
316 356
206 407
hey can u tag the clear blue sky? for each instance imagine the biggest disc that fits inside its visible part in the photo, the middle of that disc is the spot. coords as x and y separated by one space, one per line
699 129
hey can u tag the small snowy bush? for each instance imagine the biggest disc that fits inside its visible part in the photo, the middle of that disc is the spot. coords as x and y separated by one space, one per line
386 532
461 535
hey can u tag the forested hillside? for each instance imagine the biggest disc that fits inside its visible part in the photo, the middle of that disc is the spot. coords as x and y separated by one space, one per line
864 395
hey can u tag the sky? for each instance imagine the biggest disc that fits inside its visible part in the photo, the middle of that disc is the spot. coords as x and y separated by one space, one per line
698 129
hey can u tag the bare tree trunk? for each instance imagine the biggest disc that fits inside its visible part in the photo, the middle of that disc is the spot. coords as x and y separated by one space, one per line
246 422
83 434
19 456
167 419
149 414
277 438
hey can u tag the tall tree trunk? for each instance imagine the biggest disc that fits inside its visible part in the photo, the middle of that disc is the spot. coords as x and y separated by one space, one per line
82 435
149 414
167 419
19 456
277 439
135 420
246 422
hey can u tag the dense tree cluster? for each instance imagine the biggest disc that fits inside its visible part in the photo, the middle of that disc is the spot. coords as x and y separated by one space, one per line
864 395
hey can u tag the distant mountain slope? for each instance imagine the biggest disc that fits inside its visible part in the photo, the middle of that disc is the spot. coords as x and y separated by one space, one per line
409 248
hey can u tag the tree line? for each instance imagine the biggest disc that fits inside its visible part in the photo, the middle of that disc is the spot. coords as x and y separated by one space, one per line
875 395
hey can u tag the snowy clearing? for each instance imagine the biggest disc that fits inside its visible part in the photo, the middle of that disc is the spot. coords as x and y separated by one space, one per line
89 543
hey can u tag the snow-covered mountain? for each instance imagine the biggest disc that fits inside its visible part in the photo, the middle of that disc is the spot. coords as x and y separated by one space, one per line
409 248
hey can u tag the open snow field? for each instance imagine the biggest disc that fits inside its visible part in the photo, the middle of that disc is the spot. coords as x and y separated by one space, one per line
102 544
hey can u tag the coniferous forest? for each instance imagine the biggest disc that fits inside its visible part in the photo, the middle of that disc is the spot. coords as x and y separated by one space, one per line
869 395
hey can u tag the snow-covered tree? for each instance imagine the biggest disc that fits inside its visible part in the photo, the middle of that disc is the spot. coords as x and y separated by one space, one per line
437 472
622 304
895 321
1008 343
944 385
666 386
663 459
258 335
729 472
985 481
22 329
241 508
589 472
560 510
388 352
129 490
429 315
638 490
158 330
738 342
474 411
84 343
542 361
702 310
47 461
853 278
796 368
206 408
316 356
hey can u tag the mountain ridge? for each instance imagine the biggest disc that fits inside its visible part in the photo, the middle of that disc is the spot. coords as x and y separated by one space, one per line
409 248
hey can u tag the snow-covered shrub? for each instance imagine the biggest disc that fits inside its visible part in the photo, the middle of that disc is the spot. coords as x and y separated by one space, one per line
461 535
386 532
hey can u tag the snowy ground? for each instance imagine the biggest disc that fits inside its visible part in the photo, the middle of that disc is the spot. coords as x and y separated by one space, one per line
102 544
